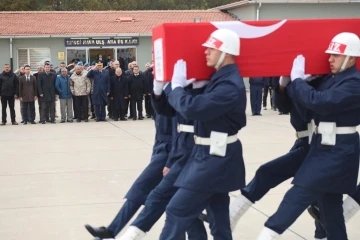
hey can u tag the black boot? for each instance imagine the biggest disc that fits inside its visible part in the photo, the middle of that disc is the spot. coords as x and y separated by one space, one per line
203 217
313 210
101 232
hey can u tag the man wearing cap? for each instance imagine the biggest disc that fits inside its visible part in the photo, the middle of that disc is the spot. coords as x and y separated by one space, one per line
101 90
216 165
333 159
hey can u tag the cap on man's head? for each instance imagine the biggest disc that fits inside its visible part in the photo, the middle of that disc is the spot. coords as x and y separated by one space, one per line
51 65
86 64
99 63
80 63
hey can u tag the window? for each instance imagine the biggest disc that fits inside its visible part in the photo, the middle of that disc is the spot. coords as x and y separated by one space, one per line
33 57
126 56
75 54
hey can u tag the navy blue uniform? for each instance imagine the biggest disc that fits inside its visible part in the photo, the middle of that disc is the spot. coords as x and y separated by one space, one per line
159 198
152 174
101 89
206 180
320 232
328 171
271 174
256 87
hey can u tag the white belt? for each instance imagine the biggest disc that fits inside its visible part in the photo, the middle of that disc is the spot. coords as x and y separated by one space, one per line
339 130
185 128
302 134
206 141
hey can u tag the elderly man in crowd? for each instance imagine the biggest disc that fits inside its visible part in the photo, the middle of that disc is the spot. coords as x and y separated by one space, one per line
80 87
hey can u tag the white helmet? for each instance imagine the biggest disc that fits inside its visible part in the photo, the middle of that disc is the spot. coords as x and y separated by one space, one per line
345 43
224 40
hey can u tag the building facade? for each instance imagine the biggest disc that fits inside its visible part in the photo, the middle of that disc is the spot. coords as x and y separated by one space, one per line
35 37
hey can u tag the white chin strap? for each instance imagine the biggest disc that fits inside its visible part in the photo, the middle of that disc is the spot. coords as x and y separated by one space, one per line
344 64
220 61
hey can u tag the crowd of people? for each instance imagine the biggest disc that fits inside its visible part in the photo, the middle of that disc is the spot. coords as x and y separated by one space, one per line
83 91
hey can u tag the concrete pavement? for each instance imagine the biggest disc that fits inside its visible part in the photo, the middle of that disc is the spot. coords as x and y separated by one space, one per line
54 178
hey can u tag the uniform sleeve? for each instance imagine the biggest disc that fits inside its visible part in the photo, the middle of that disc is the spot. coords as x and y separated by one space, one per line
108 83
161 104
206 106
282 100
88 85
331 101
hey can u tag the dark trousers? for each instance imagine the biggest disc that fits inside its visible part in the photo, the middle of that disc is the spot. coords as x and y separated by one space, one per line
255 99
186 205
127 211
148 107
75 107
29 107
320 232
100 112
272 173
47 108
155 206
92 105
110 106
136 103
82 107
267 91
128 108
295 202
119 113
29 113
6 100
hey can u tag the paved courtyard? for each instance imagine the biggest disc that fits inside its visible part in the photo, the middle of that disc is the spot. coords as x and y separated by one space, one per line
54 178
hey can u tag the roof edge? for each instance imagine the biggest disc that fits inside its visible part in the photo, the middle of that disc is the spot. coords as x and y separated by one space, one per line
248 2
110 11
78 36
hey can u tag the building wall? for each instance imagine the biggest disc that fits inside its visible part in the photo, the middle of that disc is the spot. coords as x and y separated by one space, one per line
5 52
144 51
57 45
274 11
245 13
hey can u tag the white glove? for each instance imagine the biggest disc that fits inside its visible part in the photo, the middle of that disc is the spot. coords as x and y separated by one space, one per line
284 81
298 68
158 87
200 84
179 75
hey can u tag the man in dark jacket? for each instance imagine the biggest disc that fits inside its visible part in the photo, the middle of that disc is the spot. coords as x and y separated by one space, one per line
149 80
119 93
256 87
9 91
28 95
137 89
46 88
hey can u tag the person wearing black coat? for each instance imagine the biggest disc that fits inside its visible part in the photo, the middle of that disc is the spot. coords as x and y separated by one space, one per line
119 92
137 90
46 89
149 79
9 90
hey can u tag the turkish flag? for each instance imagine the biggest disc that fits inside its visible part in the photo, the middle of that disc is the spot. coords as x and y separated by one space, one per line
267 48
